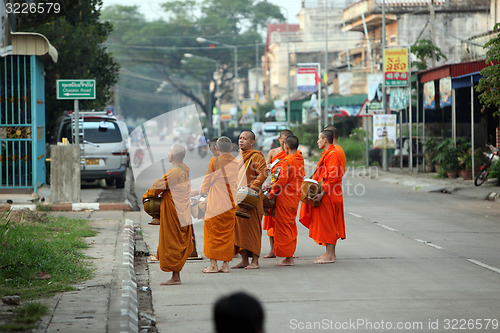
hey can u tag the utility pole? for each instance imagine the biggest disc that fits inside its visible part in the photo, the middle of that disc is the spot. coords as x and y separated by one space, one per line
433 32
326 64
384 91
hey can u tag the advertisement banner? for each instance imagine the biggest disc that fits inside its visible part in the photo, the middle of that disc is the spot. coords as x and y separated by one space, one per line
396 68
375 86
429 95
445 92
307 79
345 83
399 99
384 131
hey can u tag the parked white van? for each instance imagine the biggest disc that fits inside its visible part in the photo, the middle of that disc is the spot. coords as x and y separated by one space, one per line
103 144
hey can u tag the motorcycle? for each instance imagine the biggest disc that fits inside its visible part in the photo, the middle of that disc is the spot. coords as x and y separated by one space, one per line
202 151
488 160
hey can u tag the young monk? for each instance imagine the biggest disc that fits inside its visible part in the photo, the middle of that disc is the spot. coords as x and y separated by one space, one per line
326 221
252 174
287 192
175 236
219 184
338 148
273 157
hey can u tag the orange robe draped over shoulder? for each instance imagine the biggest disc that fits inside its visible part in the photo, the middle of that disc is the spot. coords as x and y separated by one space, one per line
221 212
326 222
343 161
175 237
248 232
287 190
269 221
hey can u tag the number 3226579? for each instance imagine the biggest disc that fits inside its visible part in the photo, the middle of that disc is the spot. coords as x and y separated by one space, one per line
33 8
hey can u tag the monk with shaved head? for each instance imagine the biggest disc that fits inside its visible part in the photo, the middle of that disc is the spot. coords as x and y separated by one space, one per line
326 221
252 174
273 158
175 236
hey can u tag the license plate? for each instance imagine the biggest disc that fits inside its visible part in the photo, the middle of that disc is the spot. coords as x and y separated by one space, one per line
92 161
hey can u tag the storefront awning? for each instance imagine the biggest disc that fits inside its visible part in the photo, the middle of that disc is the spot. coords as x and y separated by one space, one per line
464 81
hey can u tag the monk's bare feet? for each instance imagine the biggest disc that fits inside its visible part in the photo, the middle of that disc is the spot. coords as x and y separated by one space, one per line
269 255
253 266
285 262
210 269
325 260
171 282
240 265
224 270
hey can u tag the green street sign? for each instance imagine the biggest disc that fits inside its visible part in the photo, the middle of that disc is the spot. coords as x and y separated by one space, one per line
75 89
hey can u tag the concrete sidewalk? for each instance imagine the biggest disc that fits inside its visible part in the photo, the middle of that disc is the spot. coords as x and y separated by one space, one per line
427 182
107 302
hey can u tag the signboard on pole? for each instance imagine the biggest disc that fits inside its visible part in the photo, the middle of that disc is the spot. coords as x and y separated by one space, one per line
307 79
384 131
396 69
75 89
375 93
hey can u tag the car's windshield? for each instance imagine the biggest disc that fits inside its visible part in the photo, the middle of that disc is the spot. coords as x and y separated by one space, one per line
96 131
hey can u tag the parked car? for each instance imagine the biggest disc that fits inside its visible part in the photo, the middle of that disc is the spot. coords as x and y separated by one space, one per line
268 130
103 144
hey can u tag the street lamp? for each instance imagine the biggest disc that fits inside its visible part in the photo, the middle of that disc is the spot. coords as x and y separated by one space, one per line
204 40
217 94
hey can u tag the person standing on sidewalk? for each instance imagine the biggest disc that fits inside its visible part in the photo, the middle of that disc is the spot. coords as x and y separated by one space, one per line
273 158
287 191
175 237
219 185
326 221
252 174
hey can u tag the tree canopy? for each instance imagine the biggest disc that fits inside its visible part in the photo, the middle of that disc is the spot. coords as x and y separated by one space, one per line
79 37
423 50
489 85
156 49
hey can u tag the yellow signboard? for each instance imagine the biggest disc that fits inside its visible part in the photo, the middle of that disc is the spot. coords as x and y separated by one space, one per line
396 68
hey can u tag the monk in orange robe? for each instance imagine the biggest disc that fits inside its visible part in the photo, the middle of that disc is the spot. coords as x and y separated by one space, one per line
338 148
219 184
288 193
175 236
253 173
326 221
273 158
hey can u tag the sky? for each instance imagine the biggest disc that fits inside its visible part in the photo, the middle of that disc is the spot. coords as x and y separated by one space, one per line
152 10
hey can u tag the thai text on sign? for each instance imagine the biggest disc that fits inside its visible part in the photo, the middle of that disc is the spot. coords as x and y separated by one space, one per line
396 68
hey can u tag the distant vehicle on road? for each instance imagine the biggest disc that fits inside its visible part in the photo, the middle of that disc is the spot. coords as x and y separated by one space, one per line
181 134
269 130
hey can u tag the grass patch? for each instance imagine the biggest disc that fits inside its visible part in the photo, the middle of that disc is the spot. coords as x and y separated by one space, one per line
26 317
33 244
31 312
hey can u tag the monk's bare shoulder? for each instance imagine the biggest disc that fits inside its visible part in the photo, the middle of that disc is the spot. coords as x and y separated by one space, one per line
273 152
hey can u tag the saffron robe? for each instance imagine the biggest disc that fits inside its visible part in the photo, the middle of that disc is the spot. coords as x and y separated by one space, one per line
175 237
248 232
269 221
343 161
287 190
221 209
326 222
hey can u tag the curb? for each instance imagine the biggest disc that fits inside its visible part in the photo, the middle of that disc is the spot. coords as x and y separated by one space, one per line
69 206
129 319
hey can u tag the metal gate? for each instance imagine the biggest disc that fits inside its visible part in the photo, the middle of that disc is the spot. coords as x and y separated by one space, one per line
22 122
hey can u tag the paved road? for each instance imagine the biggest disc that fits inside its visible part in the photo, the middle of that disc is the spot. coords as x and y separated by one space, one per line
423 261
